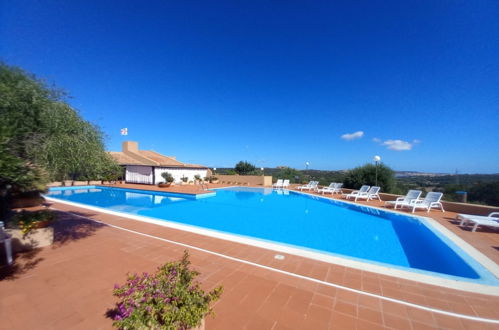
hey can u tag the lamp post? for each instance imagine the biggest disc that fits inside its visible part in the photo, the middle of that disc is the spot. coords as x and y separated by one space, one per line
214 170
376 159
261 169
306 165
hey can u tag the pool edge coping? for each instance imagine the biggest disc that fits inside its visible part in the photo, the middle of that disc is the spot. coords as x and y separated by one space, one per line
473 252
332 259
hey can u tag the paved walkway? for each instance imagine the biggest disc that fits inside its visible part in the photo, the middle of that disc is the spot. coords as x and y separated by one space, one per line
69 285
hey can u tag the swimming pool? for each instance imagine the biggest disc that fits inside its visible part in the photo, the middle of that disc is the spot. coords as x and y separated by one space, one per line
297 220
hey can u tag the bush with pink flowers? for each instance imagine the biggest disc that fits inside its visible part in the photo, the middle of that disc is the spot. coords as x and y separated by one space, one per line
168 299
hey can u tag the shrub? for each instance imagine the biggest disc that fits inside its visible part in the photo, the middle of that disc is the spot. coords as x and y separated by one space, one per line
168 177
27 221
184 179
244 168
197 177
168 299
487 193
366 174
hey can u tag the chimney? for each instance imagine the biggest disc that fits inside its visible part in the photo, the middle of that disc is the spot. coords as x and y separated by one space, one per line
130 146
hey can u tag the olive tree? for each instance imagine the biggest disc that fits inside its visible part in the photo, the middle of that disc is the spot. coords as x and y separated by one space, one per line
43 138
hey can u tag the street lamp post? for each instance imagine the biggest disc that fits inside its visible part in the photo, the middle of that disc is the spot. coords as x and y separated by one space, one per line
376 159
261 169
306 165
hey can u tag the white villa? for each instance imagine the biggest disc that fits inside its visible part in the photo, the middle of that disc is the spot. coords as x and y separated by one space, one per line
146 166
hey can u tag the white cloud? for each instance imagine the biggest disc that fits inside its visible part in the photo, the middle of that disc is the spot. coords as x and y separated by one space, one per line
397 145
352 136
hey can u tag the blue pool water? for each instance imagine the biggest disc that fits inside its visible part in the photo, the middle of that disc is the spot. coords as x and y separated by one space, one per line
294 219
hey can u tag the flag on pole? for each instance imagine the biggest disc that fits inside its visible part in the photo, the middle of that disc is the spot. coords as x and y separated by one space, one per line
124 131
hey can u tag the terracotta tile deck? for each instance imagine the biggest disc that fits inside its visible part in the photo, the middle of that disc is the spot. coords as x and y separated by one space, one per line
69 284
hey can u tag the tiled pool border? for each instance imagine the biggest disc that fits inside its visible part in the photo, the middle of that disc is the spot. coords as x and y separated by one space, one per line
415 275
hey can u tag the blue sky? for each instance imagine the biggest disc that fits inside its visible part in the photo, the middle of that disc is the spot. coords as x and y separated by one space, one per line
275 82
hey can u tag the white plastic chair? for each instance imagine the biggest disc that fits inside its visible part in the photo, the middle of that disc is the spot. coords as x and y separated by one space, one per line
333 188
278 184
371 194
312 185
7 241
412 195
353 194
432 200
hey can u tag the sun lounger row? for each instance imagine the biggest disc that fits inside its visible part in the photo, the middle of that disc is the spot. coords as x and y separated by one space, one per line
432 201
413 202
365 192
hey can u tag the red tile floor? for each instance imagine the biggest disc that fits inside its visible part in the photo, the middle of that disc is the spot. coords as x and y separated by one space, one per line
69 284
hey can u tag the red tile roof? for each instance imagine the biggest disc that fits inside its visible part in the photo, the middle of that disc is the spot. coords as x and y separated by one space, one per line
148 158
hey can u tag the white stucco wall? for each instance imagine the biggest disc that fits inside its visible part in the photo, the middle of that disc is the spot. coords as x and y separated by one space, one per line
138 174
177 173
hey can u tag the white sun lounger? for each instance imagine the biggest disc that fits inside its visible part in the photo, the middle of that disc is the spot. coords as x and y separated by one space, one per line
363 189
432 200
285 184
330 188
492 220
412 195
371 194
338 188
312 185
278 184
305 185
333 188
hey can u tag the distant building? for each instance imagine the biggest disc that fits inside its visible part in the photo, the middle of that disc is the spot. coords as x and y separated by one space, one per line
146 166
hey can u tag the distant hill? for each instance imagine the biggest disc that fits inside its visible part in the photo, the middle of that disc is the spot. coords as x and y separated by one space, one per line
481 188
462 179
414 173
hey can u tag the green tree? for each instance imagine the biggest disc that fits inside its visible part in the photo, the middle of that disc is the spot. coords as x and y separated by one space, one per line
16 173
43 138
244 168
47 132
366 174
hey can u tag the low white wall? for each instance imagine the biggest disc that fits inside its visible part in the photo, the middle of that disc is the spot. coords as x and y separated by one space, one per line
144 174
178 173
